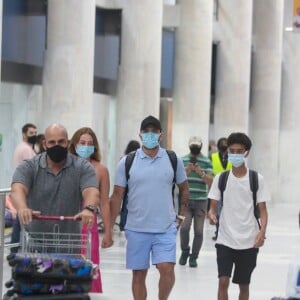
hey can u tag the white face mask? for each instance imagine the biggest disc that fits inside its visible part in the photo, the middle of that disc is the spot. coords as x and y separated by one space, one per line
150 140
85 151
236 159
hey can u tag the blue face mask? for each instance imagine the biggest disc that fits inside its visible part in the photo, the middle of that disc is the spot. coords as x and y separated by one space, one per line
236 159
85 151
150 140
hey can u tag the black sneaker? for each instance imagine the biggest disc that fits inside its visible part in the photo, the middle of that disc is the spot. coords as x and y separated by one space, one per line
183 258
193 262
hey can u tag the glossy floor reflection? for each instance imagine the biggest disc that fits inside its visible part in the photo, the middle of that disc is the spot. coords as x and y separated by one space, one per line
269 278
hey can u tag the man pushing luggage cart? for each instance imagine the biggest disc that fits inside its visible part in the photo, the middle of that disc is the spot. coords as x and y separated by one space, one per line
51 263
56 183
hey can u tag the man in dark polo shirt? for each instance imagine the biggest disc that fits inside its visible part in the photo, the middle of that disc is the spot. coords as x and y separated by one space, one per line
55 183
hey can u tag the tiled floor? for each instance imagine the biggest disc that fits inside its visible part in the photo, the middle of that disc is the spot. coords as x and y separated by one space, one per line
269 278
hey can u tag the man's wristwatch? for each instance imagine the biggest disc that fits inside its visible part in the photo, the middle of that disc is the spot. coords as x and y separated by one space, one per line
91 208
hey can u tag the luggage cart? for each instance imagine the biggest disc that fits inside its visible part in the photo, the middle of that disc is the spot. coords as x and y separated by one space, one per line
55 241
3 193
51 265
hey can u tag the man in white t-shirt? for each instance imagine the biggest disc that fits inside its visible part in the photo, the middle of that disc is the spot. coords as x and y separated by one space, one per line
239 235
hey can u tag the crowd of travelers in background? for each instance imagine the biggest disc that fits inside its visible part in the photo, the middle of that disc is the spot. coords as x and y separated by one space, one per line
45 162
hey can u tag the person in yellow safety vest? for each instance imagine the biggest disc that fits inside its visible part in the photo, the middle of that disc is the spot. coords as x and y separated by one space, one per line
219 159
220 163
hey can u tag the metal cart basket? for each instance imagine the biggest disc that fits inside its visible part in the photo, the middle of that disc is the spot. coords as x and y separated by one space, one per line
56 241
51 263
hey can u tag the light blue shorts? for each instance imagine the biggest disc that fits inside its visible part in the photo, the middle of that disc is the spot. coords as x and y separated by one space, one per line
140 245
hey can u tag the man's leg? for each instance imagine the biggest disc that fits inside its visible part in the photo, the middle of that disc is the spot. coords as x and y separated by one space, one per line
164 258
244 292
223 288
185 236
245 263
225 265
199 218
139 289
138 249
166 280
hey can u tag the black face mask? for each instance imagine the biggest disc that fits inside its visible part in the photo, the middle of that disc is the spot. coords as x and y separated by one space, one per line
32 139
57 153
195 150
223 148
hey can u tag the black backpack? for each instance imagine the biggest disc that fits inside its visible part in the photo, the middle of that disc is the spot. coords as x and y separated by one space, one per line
128 163
253 178
129 160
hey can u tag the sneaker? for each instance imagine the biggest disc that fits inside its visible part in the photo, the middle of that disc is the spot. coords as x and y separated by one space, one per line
184 257
193 262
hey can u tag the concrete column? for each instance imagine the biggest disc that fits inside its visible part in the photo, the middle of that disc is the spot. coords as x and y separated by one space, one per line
233 67
266 89
191 99
289 172
169 2
139 75
111 4
1 14
69 63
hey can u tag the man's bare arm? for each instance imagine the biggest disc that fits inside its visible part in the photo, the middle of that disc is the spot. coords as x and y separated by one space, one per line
91 197
260 238
184 197
212 214
19 200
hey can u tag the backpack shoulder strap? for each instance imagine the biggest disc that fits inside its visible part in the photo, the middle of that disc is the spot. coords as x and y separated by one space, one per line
128 163
253 178
130 157
222 183
173 160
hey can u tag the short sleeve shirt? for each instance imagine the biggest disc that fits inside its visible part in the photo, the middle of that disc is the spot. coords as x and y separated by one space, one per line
150 200
59 194
197 187
237 225
23 151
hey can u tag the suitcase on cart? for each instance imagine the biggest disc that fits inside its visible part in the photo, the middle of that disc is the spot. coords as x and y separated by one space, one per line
51 264
48 297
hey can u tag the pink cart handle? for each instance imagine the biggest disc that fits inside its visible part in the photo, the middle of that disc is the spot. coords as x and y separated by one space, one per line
55 218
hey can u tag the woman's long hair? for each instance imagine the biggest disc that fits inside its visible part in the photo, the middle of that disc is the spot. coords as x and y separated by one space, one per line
76 137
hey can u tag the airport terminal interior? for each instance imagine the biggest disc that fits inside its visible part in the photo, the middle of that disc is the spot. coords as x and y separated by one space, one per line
205 68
